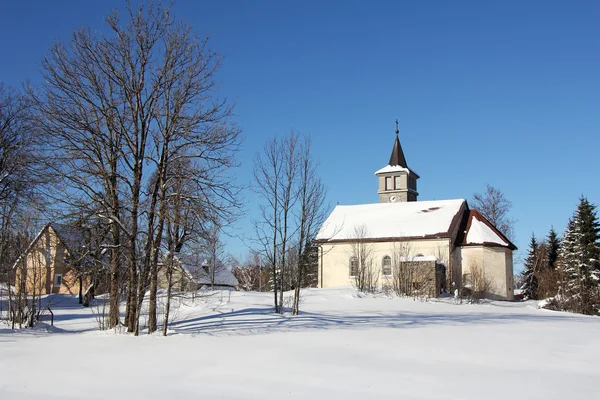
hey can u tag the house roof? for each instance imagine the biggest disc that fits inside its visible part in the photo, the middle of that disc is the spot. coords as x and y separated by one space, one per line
389 221
479 231
197 269
70 236
35 239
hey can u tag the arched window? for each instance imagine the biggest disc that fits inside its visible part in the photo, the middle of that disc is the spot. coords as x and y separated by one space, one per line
353 266
386 266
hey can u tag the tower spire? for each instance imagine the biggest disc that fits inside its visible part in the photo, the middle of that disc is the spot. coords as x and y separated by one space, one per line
397 157
396 181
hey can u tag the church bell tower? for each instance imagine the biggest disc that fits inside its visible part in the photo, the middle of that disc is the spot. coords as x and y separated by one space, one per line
396 181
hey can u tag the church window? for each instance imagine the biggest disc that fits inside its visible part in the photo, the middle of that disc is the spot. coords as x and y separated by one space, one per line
388 183
398 184
57 280
386 266
353 266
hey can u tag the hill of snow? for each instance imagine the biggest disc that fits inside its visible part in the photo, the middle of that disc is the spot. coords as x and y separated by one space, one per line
344 345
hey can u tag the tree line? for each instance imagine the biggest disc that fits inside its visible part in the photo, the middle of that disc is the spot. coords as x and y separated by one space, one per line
566 270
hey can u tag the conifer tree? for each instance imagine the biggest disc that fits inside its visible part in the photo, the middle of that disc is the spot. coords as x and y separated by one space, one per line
553 246
529 275
579 261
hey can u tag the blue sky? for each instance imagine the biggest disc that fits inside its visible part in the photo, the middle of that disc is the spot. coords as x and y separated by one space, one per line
505 93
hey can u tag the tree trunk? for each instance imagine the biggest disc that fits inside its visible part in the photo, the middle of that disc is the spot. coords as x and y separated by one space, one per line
131 312
275 288
152 320
113 313
80 289
169 274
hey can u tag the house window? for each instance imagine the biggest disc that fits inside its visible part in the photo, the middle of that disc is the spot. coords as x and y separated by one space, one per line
388 183
467 280
57 280
386 266
48 254
353 266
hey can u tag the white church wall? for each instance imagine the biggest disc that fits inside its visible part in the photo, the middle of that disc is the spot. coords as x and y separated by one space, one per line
334 259
497 268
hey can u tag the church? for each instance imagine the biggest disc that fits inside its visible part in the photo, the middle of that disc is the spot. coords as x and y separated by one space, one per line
413 246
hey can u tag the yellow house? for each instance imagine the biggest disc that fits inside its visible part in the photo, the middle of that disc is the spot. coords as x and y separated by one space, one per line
47 265
400 239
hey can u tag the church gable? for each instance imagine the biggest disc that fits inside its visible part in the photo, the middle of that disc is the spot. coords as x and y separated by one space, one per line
478 231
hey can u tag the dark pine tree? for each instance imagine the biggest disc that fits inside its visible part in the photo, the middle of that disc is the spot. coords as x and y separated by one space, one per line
529 275
552 246
310 261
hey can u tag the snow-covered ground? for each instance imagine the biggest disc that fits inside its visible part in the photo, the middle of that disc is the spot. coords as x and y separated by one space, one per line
343 346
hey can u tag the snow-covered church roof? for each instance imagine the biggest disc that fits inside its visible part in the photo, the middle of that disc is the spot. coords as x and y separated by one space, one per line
479 231
414 219
392 168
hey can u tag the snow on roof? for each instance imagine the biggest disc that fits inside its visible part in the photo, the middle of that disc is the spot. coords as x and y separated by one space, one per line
422 258
392 168
419 258
199 271
392 220
71 236
480 233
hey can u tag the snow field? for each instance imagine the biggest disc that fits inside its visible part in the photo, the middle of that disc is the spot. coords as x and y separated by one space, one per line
344 345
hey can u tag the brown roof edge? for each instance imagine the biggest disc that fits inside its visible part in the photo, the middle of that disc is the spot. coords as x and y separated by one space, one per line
457 219
441 235
35 239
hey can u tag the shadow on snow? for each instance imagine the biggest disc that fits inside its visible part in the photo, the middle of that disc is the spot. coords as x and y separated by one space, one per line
250 321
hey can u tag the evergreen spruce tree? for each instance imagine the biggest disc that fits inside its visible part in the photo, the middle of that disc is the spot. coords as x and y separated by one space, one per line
579 257
529 275
311 259
553 246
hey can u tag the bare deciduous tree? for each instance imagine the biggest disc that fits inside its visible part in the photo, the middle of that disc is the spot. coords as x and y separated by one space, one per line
274 178
363 269
477 286
250 274
494 206
310 216
122 108
286 178
402 273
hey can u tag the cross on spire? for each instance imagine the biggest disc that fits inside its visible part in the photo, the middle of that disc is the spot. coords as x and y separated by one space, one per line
397 131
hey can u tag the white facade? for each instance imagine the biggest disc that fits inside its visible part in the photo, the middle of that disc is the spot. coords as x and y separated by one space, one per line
334 259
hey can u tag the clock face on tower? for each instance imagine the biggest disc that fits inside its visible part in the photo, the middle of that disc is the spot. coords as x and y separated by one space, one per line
392 199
